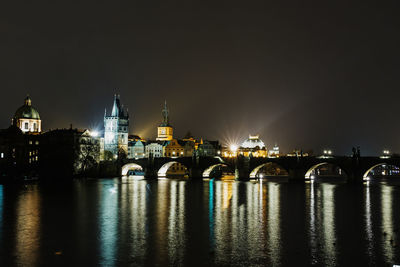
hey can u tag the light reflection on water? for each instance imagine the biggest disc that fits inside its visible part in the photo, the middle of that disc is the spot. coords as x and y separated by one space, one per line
368 223
108 223
387 223
176 222
28 227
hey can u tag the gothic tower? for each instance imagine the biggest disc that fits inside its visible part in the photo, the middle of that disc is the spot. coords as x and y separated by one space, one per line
116 127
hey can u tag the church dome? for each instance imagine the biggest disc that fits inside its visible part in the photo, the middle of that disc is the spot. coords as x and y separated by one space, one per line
252 142
27 111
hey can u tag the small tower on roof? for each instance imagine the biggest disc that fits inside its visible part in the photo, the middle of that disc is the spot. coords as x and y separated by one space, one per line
165 130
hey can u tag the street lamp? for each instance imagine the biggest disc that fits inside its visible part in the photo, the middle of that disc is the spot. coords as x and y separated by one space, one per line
94 133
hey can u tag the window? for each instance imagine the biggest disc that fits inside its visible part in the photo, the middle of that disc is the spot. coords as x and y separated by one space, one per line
26 126
2 155
35 126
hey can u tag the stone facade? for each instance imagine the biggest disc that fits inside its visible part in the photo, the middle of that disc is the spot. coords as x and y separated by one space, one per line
116 128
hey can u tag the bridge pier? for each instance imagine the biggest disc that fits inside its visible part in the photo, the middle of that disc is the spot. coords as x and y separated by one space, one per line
242 174
150 173
297 174
195 173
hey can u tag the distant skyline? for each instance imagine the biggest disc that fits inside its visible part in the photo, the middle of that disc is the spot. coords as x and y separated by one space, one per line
303 77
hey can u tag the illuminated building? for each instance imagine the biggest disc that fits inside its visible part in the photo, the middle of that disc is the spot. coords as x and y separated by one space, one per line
27 118
229 152
155 149
174 149
116 127
297 153
253 146
274 152
136 149
190 137
165 130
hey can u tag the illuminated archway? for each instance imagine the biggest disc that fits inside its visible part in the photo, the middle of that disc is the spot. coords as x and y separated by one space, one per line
366 174
162 172
207 172
254 173
130 167
309 173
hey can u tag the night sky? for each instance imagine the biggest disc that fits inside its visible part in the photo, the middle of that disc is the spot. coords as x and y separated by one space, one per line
308 77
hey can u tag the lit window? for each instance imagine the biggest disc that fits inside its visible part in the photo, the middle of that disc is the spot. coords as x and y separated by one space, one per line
2 155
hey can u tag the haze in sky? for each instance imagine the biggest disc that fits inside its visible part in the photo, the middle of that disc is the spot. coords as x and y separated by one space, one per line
310 77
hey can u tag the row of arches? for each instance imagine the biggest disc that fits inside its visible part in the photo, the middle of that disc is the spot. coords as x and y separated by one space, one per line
270 169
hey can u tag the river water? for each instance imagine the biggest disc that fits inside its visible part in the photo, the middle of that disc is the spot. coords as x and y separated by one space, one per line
125 222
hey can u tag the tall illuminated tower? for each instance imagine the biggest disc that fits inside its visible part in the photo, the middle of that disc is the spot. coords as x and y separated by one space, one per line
165 130
116 127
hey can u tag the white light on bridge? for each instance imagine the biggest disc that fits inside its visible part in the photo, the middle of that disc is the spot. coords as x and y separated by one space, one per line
94 133
233 147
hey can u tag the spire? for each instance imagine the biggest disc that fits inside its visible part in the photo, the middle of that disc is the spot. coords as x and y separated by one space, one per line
165 113
28 101
116 107
105 112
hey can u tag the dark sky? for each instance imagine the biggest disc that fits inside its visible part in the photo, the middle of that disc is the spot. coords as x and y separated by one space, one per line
308 77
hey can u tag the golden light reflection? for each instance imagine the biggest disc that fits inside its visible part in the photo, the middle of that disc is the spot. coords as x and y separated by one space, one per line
387 223
327 211
176 222
138 191
28 227
163 202
274 223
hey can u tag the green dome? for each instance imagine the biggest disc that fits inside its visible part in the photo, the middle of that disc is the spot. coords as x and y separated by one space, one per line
27 111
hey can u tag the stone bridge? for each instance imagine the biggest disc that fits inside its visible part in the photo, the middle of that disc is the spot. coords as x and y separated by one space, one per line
246 168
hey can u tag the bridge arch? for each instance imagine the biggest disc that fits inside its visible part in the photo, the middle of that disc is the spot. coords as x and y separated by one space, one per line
367 172
162 172
309 173
130 166
256 170
207 172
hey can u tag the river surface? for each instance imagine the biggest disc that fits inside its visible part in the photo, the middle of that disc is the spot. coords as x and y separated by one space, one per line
125 222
